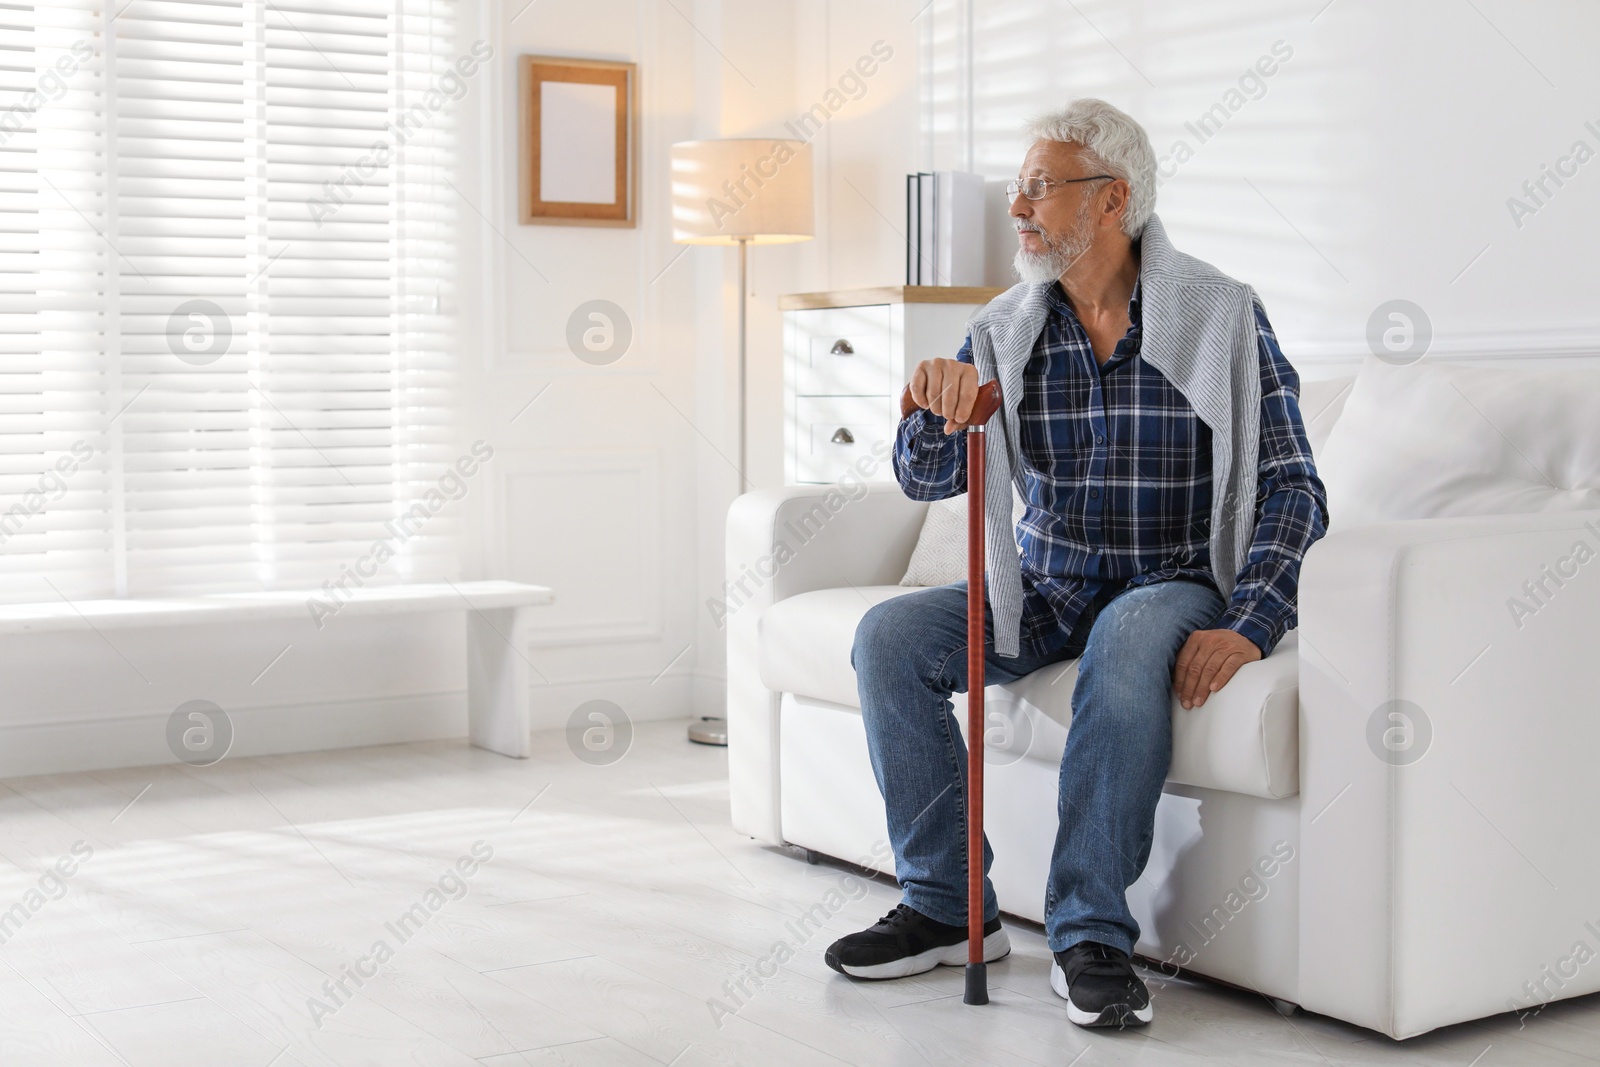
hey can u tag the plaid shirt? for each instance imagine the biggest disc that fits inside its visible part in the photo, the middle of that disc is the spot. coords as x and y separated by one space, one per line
1117 473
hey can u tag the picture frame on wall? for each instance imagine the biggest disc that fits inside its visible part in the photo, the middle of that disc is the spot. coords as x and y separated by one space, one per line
579 136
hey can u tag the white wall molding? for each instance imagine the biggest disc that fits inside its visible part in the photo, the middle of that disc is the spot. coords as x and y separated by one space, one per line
1520 345
592 485
580 487
669 696
563 254
137 740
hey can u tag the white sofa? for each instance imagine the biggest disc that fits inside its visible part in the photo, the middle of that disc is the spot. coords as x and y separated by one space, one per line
1398 873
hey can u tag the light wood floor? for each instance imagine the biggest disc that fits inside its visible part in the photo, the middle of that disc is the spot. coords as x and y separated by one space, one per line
617 905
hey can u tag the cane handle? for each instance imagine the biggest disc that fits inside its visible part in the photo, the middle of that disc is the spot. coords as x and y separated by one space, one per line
983 408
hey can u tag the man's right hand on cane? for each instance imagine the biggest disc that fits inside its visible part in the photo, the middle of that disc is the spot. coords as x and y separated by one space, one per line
946 387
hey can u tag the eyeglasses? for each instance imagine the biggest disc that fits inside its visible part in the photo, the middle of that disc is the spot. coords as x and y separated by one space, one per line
1036 188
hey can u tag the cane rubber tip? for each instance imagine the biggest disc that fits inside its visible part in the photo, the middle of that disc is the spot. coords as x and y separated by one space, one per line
977 984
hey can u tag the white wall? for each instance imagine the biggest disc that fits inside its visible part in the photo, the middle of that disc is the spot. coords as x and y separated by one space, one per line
861 155
626 472
594 484
623 474
1376 164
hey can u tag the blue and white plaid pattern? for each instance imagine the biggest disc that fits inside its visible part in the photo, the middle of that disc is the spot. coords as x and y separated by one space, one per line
1117 473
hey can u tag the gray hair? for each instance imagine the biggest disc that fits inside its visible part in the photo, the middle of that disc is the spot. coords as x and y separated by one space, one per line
1115 141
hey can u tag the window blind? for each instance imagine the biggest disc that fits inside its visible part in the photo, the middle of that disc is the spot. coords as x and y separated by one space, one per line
227 264
54 486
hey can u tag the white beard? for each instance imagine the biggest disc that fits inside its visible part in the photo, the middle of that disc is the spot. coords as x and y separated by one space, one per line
1037 268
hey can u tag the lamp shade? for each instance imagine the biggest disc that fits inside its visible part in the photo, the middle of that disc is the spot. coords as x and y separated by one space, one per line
756 189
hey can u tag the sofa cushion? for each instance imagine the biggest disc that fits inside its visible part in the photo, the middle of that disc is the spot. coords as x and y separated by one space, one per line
941 553
805 641
1321 403
1429 440
1245 739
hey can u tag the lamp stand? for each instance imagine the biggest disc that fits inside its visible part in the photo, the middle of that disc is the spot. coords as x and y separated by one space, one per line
744 277
713 729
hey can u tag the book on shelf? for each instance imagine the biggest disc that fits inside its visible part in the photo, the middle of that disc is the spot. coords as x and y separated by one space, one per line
944 228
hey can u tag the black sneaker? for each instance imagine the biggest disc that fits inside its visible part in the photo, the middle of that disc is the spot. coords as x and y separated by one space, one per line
1100 986
905 942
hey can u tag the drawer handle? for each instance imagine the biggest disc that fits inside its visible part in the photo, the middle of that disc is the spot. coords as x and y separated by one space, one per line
841 347
842 436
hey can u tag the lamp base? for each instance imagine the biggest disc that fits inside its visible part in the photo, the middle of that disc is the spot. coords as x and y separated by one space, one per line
709 730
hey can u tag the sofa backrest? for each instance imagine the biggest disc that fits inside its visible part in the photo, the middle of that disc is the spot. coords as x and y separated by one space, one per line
1435 439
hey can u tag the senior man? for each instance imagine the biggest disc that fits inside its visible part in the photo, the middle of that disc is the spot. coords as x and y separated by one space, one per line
1152 426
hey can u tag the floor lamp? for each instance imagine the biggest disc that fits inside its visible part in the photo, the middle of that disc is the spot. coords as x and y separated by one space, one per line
739 191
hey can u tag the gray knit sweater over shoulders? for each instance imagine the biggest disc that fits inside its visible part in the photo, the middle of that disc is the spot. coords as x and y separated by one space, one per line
1200 332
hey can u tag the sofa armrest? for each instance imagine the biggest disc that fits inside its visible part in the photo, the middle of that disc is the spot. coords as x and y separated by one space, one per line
1448 745
781 542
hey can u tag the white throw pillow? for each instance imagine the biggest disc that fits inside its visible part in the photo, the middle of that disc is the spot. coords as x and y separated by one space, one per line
941 553
1431 440
1321 404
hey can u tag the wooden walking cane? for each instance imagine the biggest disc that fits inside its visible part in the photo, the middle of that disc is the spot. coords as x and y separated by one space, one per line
988 402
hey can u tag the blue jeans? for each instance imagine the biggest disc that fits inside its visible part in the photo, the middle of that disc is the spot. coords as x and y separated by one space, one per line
910 655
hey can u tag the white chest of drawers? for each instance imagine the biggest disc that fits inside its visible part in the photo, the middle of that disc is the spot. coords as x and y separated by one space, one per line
846 356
